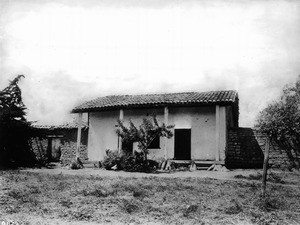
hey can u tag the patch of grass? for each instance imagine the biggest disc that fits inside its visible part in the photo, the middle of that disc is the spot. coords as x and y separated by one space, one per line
140 193
97 191
130 205
234 208
66 203
270 203
145 200
239 176
257 176
272 177
81 214
189 210
16 194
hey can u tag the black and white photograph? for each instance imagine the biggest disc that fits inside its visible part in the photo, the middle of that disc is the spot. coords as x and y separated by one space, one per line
149 112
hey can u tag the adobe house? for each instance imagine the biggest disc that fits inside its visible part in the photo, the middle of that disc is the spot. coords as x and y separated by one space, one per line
201 122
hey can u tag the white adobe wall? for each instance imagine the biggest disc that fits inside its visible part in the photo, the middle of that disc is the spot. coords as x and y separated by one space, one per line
201 121
102 134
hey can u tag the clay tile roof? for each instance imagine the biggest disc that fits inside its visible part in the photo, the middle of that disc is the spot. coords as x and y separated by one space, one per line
65 126
128 101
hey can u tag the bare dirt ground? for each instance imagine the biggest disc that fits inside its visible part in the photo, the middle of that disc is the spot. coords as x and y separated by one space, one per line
95 196
171 174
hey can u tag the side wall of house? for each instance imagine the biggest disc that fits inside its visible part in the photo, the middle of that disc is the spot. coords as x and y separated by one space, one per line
102 134
201 121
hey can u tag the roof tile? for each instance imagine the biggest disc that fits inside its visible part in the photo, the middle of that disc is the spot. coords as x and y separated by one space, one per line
118 101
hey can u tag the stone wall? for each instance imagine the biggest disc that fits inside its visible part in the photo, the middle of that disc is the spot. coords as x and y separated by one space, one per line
246 146
243 150
68 153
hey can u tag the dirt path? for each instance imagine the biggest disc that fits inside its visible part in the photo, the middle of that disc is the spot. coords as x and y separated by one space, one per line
178 174
230 175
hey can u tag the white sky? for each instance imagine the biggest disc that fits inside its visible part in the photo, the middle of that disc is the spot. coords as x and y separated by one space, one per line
71 51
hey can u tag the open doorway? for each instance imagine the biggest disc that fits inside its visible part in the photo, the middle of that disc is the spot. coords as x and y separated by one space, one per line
182 144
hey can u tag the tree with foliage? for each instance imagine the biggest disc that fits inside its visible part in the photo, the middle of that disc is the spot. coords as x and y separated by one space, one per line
144 134
280 120
14 128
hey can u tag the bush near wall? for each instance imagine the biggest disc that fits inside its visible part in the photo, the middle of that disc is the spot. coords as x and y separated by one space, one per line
278 157
39 147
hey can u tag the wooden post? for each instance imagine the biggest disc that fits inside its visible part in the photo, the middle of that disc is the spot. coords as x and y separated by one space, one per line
166 117
265 168
217 153
79 122
121 117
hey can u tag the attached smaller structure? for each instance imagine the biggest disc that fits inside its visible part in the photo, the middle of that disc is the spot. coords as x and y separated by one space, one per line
58 142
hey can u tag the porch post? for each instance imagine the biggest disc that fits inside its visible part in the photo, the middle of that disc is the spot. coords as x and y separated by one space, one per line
166 115
217 153
79 123
121 117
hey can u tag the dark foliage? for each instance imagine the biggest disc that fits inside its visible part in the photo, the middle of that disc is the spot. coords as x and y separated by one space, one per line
281 122
144 134
128 162
136 163
111 159
15 149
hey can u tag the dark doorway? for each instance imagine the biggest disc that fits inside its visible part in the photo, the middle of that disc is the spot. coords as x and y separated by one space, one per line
182 144
54 148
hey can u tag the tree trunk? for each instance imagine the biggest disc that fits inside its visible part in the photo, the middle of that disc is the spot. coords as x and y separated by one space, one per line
145 155
265 168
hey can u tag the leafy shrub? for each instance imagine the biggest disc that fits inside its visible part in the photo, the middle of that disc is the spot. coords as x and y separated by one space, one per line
136 163
111 159
128 162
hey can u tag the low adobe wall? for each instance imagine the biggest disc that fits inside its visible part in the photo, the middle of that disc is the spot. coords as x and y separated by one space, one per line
246 146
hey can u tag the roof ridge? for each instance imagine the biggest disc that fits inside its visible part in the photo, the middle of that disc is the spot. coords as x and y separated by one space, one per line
191 97
165 93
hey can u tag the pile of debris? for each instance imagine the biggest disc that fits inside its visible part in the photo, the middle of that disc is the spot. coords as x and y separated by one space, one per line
172 165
